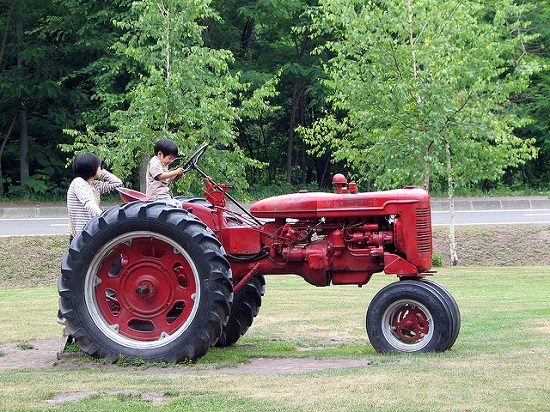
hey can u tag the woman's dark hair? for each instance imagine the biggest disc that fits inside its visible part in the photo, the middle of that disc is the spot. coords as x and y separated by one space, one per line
85 165
167 147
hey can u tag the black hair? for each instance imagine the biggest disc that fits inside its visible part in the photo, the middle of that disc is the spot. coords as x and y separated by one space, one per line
85 165
167 147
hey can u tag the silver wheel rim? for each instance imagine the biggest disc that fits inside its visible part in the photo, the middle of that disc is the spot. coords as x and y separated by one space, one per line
390 335
90 298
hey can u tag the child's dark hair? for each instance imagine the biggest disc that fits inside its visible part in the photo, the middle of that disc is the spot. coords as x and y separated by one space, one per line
85 165
167 147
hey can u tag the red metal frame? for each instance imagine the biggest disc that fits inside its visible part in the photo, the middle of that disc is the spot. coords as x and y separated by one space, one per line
146 289
338 238
326 238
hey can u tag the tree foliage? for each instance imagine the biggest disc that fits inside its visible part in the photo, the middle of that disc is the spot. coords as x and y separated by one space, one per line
35 105
396 92
535 104
408 77
182 90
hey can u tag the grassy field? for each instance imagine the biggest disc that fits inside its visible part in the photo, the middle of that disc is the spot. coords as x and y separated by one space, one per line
498 363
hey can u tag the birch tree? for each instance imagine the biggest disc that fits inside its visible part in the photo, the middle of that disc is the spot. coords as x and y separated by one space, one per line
422 91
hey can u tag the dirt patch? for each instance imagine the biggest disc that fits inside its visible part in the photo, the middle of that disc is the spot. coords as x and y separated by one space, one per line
37 354
273 366
76 396
43 354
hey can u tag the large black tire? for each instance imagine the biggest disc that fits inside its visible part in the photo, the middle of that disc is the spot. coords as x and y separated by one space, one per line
410 316
453 306
245 308
147 281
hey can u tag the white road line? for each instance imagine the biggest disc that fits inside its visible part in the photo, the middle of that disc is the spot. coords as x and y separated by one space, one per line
489 211
492 223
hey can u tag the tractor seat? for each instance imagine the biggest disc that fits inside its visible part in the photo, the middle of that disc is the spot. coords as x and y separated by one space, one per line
130 195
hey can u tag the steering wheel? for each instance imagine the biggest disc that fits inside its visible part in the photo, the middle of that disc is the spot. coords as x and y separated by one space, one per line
191 163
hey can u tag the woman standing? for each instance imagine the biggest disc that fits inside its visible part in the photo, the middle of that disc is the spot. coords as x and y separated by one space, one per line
83 196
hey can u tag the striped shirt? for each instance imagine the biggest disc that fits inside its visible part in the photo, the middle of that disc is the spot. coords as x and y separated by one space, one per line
83 200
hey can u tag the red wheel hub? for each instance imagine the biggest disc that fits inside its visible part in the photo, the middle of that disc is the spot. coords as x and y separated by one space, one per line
145 289
410 323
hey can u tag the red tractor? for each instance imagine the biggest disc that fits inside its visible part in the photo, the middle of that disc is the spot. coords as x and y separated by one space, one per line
161 283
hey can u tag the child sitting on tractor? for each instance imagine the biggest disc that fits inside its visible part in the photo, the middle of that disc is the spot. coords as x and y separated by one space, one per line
158 175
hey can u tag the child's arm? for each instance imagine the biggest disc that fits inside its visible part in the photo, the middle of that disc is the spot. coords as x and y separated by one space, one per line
170 174
86 198
109 183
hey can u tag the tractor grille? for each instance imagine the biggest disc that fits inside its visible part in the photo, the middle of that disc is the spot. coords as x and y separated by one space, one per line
424 230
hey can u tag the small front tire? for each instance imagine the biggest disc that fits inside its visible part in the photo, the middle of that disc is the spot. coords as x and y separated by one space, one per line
409 316
453 306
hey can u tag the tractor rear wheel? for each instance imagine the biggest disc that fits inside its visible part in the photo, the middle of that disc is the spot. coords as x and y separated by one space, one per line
410 316
147 281
245 307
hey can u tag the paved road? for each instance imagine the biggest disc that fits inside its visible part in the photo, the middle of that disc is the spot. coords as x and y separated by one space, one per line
58 225
493 217
33 226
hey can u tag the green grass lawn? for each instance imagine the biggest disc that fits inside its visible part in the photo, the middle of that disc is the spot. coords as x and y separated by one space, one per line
499 362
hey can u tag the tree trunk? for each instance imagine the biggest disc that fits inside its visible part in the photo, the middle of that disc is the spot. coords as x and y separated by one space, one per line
412 42
23 133
143 172
23 146
6 33
306 175
2 146
291 127
426 184
246 36
167 28
450 188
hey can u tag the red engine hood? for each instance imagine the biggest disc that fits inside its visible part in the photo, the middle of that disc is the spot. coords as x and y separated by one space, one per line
317 204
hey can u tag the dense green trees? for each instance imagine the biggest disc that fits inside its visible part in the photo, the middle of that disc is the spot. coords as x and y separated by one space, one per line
421 90
34 104
535 104
180 90
396 92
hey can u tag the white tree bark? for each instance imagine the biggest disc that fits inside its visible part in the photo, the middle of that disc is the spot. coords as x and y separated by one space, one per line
450 186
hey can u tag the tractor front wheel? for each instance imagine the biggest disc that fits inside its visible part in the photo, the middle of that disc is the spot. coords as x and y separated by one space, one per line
453 307
148 281
411 316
